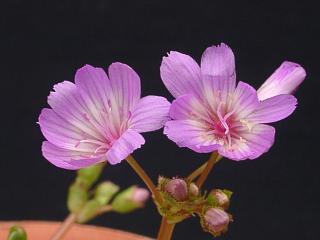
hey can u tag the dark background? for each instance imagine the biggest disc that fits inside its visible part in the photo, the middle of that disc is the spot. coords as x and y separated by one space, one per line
44 42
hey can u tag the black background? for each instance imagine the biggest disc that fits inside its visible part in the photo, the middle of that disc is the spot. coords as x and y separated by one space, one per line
44 42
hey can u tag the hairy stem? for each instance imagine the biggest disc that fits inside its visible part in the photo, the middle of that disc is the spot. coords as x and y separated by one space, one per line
145 178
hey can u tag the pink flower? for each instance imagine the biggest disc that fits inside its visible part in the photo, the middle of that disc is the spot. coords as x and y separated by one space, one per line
212 113
99 117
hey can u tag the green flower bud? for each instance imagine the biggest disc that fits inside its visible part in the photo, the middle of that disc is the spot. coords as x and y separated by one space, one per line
17 233
130 199
105 191
89 211
77 198
86 177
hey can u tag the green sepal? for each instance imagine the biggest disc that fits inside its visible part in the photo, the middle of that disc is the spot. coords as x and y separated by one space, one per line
17 233
212 201
228 193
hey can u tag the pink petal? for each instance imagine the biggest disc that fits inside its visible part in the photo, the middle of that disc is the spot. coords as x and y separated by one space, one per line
283 81
252 144
124 146
244 100
150 114
180 74
125 85
191 134
67 159
189 107
96 93
67 102
218 61
62 133
274 109
217 90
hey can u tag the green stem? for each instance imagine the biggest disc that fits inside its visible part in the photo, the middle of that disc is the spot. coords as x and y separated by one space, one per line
214 158
197 172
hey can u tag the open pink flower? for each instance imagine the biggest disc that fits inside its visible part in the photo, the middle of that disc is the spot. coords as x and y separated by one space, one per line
212 113
98 117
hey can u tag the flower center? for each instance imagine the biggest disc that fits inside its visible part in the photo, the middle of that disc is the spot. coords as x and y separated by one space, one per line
221 127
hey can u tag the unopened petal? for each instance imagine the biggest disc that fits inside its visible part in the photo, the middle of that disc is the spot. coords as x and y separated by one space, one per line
284 80
150 114
180 74
274 109
129 141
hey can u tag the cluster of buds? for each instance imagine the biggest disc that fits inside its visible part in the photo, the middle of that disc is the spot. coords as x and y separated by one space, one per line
180 198
87 203
183 199
214 218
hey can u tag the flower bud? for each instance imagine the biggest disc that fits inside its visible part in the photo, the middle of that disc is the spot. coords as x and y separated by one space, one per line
193 189
77 198
105 191
89 211
17 233
177 188
220 198
215 221
86 177
130 199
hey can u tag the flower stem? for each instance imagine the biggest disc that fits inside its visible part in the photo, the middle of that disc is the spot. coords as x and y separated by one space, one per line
214 158
66 225
145 178
197 172
166 230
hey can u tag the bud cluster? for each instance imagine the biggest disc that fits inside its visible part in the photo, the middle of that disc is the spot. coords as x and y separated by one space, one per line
183 199
88 203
